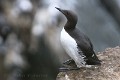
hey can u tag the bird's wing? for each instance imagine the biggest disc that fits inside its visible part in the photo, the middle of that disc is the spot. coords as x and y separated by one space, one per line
84 44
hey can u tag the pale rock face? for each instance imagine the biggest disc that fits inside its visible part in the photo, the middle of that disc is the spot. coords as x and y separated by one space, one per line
70 45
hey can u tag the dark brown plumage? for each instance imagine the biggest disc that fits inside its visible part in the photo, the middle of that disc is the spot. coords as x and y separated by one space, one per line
84 44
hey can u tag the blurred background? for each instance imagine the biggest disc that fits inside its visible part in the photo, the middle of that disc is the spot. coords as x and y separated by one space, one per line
30 30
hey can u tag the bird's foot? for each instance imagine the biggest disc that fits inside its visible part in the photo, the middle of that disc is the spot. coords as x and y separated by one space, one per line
69 65
63 69
69 61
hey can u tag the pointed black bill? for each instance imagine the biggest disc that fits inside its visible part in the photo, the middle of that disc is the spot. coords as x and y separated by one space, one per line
59 9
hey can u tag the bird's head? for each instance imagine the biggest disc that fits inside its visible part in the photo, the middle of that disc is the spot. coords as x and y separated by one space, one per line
71 16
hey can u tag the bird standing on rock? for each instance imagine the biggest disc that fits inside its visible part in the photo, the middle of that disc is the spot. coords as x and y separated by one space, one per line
77 45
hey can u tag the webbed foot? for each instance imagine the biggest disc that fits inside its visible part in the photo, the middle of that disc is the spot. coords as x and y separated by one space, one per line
69 61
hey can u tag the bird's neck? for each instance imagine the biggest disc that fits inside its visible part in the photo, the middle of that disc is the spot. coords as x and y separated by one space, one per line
70 25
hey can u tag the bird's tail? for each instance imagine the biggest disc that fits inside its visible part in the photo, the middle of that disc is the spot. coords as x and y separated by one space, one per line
93 60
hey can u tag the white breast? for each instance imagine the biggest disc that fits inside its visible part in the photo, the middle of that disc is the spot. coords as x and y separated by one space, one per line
70 45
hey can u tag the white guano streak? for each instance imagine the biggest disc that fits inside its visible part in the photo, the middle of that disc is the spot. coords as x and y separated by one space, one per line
70 45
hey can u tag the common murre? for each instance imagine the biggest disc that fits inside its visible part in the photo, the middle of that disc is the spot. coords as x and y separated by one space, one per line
77 45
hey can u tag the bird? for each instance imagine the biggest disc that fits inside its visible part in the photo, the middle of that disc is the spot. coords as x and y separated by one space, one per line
76 44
